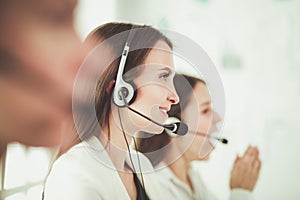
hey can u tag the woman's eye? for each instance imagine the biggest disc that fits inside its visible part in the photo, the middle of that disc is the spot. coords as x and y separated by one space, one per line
164 75
206 111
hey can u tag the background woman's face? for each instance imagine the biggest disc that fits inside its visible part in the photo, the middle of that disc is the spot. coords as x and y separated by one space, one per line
206 119
155 89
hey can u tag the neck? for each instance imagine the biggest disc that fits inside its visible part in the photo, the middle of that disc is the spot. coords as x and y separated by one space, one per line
114 142
180 168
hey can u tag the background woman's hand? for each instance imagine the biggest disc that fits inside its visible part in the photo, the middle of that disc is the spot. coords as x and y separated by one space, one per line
245 171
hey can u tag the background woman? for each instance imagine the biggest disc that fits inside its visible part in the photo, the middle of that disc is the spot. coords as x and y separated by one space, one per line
173 156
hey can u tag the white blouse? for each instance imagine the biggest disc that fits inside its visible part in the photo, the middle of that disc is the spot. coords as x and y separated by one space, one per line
85 172
179 190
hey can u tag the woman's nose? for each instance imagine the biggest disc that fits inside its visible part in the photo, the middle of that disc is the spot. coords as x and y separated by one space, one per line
173 96
216 117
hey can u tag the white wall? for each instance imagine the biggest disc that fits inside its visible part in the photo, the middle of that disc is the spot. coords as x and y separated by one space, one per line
256 47
92 13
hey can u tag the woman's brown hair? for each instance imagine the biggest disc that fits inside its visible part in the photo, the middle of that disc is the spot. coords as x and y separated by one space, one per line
145 36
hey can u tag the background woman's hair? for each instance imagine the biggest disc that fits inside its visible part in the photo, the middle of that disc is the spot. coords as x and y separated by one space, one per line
152 145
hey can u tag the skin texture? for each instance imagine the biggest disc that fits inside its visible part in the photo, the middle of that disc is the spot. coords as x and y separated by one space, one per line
245 171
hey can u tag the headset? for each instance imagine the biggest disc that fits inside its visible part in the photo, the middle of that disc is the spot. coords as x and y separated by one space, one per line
124 92
123 95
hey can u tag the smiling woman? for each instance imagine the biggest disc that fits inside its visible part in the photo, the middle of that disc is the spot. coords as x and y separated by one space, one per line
99 167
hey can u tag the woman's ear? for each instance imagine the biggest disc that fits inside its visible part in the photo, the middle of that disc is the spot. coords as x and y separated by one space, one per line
110 86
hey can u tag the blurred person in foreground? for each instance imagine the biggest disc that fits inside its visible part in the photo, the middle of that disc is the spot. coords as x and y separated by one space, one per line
40 54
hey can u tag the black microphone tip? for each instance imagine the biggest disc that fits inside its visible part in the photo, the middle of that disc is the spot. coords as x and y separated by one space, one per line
182 128
223 140
177 128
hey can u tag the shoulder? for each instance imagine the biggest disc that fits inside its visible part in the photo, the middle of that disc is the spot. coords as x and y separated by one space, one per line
75 160
80 163
82 173
69 177
76 175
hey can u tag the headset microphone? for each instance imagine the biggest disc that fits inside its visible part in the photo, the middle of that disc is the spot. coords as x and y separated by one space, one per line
174 120
178 128
222 140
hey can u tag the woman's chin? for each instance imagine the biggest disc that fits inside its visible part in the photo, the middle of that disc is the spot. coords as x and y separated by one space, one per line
206 158
205 153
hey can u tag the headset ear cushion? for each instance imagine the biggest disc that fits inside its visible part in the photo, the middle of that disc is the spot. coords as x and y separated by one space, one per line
127 89
134 93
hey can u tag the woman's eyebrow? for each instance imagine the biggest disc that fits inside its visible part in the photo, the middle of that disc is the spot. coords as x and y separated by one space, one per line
167 69
205 103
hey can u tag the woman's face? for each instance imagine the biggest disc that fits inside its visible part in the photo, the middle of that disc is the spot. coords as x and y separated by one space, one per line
155 89
206 123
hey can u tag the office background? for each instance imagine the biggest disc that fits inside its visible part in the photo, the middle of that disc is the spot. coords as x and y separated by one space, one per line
255 46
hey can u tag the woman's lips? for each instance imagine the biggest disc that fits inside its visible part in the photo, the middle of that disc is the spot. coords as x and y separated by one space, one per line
164 110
